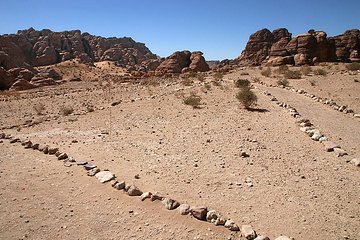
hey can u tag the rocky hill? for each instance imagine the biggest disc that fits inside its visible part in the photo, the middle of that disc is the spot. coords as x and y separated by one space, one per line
279 47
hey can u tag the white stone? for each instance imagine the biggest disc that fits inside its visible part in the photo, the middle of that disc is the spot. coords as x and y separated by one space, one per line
248 232
104 176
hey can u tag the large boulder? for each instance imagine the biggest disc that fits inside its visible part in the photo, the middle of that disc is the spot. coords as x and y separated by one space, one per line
174 63
22 84
6 79
198 63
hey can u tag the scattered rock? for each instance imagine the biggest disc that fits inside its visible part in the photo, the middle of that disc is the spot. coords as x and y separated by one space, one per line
283 238
80 163
212 215
156 196
14 140
145 195
184 209
92 172
58 153
62 156
316 136
199 212
115 103
329 146
46 150
262 238
134 191
119 185
248 232
339 152
230 224
356 161
35 146
89 166
219 221
170 204
104 176
244 154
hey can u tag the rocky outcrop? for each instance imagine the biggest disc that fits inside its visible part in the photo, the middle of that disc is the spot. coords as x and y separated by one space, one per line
279 47
182 62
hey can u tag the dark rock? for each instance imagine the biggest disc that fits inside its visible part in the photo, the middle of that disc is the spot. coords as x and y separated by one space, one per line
199 212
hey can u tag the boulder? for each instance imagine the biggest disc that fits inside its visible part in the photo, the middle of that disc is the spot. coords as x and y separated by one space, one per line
198 63
22 84
174 63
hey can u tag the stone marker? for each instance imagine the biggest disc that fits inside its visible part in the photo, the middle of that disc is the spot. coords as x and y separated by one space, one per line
93 172
104 176
52 150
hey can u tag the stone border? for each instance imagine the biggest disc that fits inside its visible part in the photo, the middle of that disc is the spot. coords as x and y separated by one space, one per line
313 132
198 212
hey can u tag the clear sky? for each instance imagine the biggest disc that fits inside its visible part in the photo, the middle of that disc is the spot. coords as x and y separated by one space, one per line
219 28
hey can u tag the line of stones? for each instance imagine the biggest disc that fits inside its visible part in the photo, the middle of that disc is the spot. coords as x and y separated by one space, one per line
199 212
329 102
314 133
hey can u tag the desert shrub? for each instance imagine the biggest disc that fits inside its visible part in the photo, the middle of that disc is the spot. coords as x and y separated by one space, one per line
218 76
246 97
353 66
312 82
283 69
187 82
216 83
241 83
292 74
39 108
193 100
200 77
283 82
207 86
320 71
256 79
306 70
66 110
266 72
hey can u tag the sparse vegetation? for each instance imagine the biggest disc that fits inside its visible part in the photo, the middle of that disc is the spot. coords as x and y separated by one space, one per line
242 83
66 110
353 66
193 100
266 72
283 82
312 82
256 79
244 73
305 70
247 97
320 71
39 108
283 69
187 81
218 76
207 86
292 74
200 77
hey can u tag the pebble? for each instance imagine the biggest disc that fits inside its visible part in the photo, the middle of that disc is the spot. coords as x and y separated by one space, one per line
93 172
212 215
248 232
52 151
89 166
145 195
199 212
356 161
35 146
134 191
46 150
156 196
316 136
104 176
339 152
230 224
119 185
170 204
184 209
62 156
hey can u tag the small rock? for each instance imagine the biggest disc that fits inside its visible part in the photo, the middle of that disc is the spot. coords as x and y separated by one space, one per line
115 103
212 215
244 154
71 159
104 176
339 152
14 140
1 141
230 224
134 191
357 115
92 172
58 153
62 156
262 238
170 204
356 161
137 176
67 164
248 232
81 163
219 221
35 146
89 166
322 139
52 151
2 135
145 195
28 145
316 136
119 185
156 196
329 146
184 209
283 238
199 212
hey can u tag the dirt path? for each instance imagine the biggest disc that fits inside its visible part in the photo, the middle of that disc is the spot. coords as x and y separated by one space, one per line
337 126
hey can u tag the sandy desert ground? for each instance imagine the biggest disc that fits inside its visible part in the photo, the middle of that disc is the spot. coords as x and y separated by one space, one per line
288 185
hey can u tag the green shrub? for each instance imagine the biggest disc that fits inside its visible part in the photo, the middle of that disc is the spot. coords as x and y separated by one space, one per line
241 83
353 66
292 74
246 97
193 100
283 82
320 71
266 72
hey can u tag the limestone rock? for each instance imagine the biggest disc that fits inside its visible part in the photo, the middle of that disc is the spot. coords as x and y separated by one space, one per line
170 204
248 232
134 191
199 212
104 176
184 209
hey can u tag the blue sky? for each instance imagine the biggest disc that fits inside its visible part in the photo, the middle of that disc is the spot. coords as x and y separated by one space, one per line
219 28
